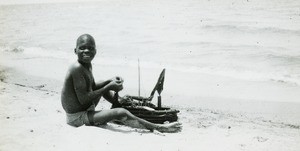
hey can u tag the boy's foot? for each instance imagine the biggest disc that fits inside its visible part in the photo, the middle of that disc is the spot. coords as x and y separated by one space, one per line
170 127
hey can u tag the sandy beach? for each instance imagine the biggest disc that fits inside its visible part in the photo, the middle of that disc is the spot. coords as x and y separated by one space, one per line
32 117
232 69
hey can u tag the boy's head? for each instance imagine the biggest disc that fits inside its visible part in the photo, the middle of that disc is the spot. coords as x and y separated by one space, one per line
85 48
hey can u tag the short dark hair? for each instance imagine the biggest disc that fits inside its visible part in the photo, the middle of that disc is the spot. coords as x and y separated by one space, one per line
85 36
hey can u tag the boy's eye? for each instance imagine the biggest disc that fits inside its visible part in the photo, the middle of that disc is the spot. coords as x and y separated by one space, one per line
82 47
86 47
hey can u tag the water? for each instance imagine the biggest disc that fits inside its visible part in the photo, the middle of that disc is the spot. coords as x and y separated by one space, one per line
251 40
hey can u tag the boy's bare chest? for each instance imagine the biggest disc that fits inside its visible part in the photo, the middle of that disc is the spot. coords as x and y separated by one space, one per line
89 78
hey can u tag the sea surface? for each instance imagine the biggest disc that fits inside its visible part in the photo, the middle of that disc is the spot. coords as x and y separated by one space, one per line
247 39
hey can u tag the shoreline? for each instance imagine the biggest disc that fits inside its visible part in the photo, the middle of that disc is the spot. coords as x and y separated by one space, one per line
177 82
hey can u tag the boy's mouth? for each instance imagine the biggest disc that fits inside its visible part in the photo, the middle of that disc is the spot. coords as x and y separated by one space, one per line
86 56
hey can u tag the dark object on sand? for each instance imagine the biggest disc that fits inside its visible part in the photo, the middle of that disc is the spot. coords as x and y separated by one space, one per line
143 108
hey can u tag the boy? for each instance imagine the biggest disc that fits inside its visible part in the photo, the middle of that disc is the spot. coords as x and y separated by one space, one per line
80 94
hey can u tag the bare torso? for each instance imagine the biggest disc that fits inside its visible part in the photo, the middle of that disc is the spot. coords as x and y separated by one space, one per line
70 99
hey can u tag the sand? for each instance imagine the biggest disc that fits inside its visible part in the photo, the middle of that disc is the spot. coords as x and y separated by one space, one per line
232 119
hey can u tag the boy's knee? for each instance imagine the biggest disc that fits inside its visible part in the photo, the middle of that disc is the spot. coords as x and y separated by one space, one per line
121 113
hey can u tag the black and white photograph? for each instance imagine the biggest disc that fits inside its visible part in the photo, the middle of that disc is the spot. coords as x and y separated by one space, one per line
150 75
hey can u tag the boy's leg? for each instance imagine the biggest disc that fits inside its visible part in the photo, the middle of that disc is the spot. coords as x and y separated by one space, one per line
123 115
131 120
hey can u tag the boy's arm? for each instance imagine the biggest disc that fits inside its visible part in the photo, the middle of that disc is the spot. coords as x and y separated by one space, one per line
101 84
109 96
81 88
113 98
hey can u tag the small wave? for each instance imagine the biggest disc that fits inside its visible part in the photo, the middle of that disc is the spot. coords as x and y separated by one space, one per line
285 59
249 29
293 126
224 27
14 49
278 30
36 51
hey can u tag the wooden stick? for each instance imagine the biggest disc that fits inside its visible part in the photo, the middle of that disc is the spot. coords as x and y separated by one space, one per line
139 77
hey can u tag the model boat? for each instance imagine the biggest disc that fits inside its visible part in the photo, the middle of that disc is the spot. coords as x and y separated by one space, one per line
144 108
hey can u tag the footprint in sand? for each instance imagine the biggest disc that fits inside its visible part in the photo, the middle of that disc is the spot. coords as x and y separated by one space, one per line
260 139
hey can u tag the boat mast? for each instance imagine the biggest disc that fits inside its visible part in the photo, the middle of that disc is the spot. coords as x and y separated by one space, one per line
139 75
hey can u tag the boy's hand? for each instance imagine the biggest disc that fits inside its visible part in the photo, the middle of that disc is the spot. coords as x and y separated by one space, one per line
115 86
118 79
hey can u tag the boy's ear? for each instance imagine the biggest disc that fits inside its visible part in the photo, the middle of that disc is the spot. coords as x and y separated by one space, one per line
75 50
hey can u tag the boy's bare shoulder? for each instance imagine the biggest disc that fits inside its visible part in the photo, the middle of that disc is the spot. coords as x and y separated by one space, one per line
75 68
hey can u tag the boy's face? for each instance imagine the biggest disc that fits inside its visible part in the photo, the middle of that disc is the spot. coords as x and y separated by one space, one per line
85 49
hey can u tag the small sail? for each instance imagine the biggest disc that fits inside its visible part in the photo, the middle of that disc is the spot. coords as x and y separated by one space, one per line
160 84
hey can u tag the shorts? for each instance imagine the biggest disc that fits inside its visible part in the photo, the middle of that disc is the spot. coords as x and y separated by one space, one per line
81 118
